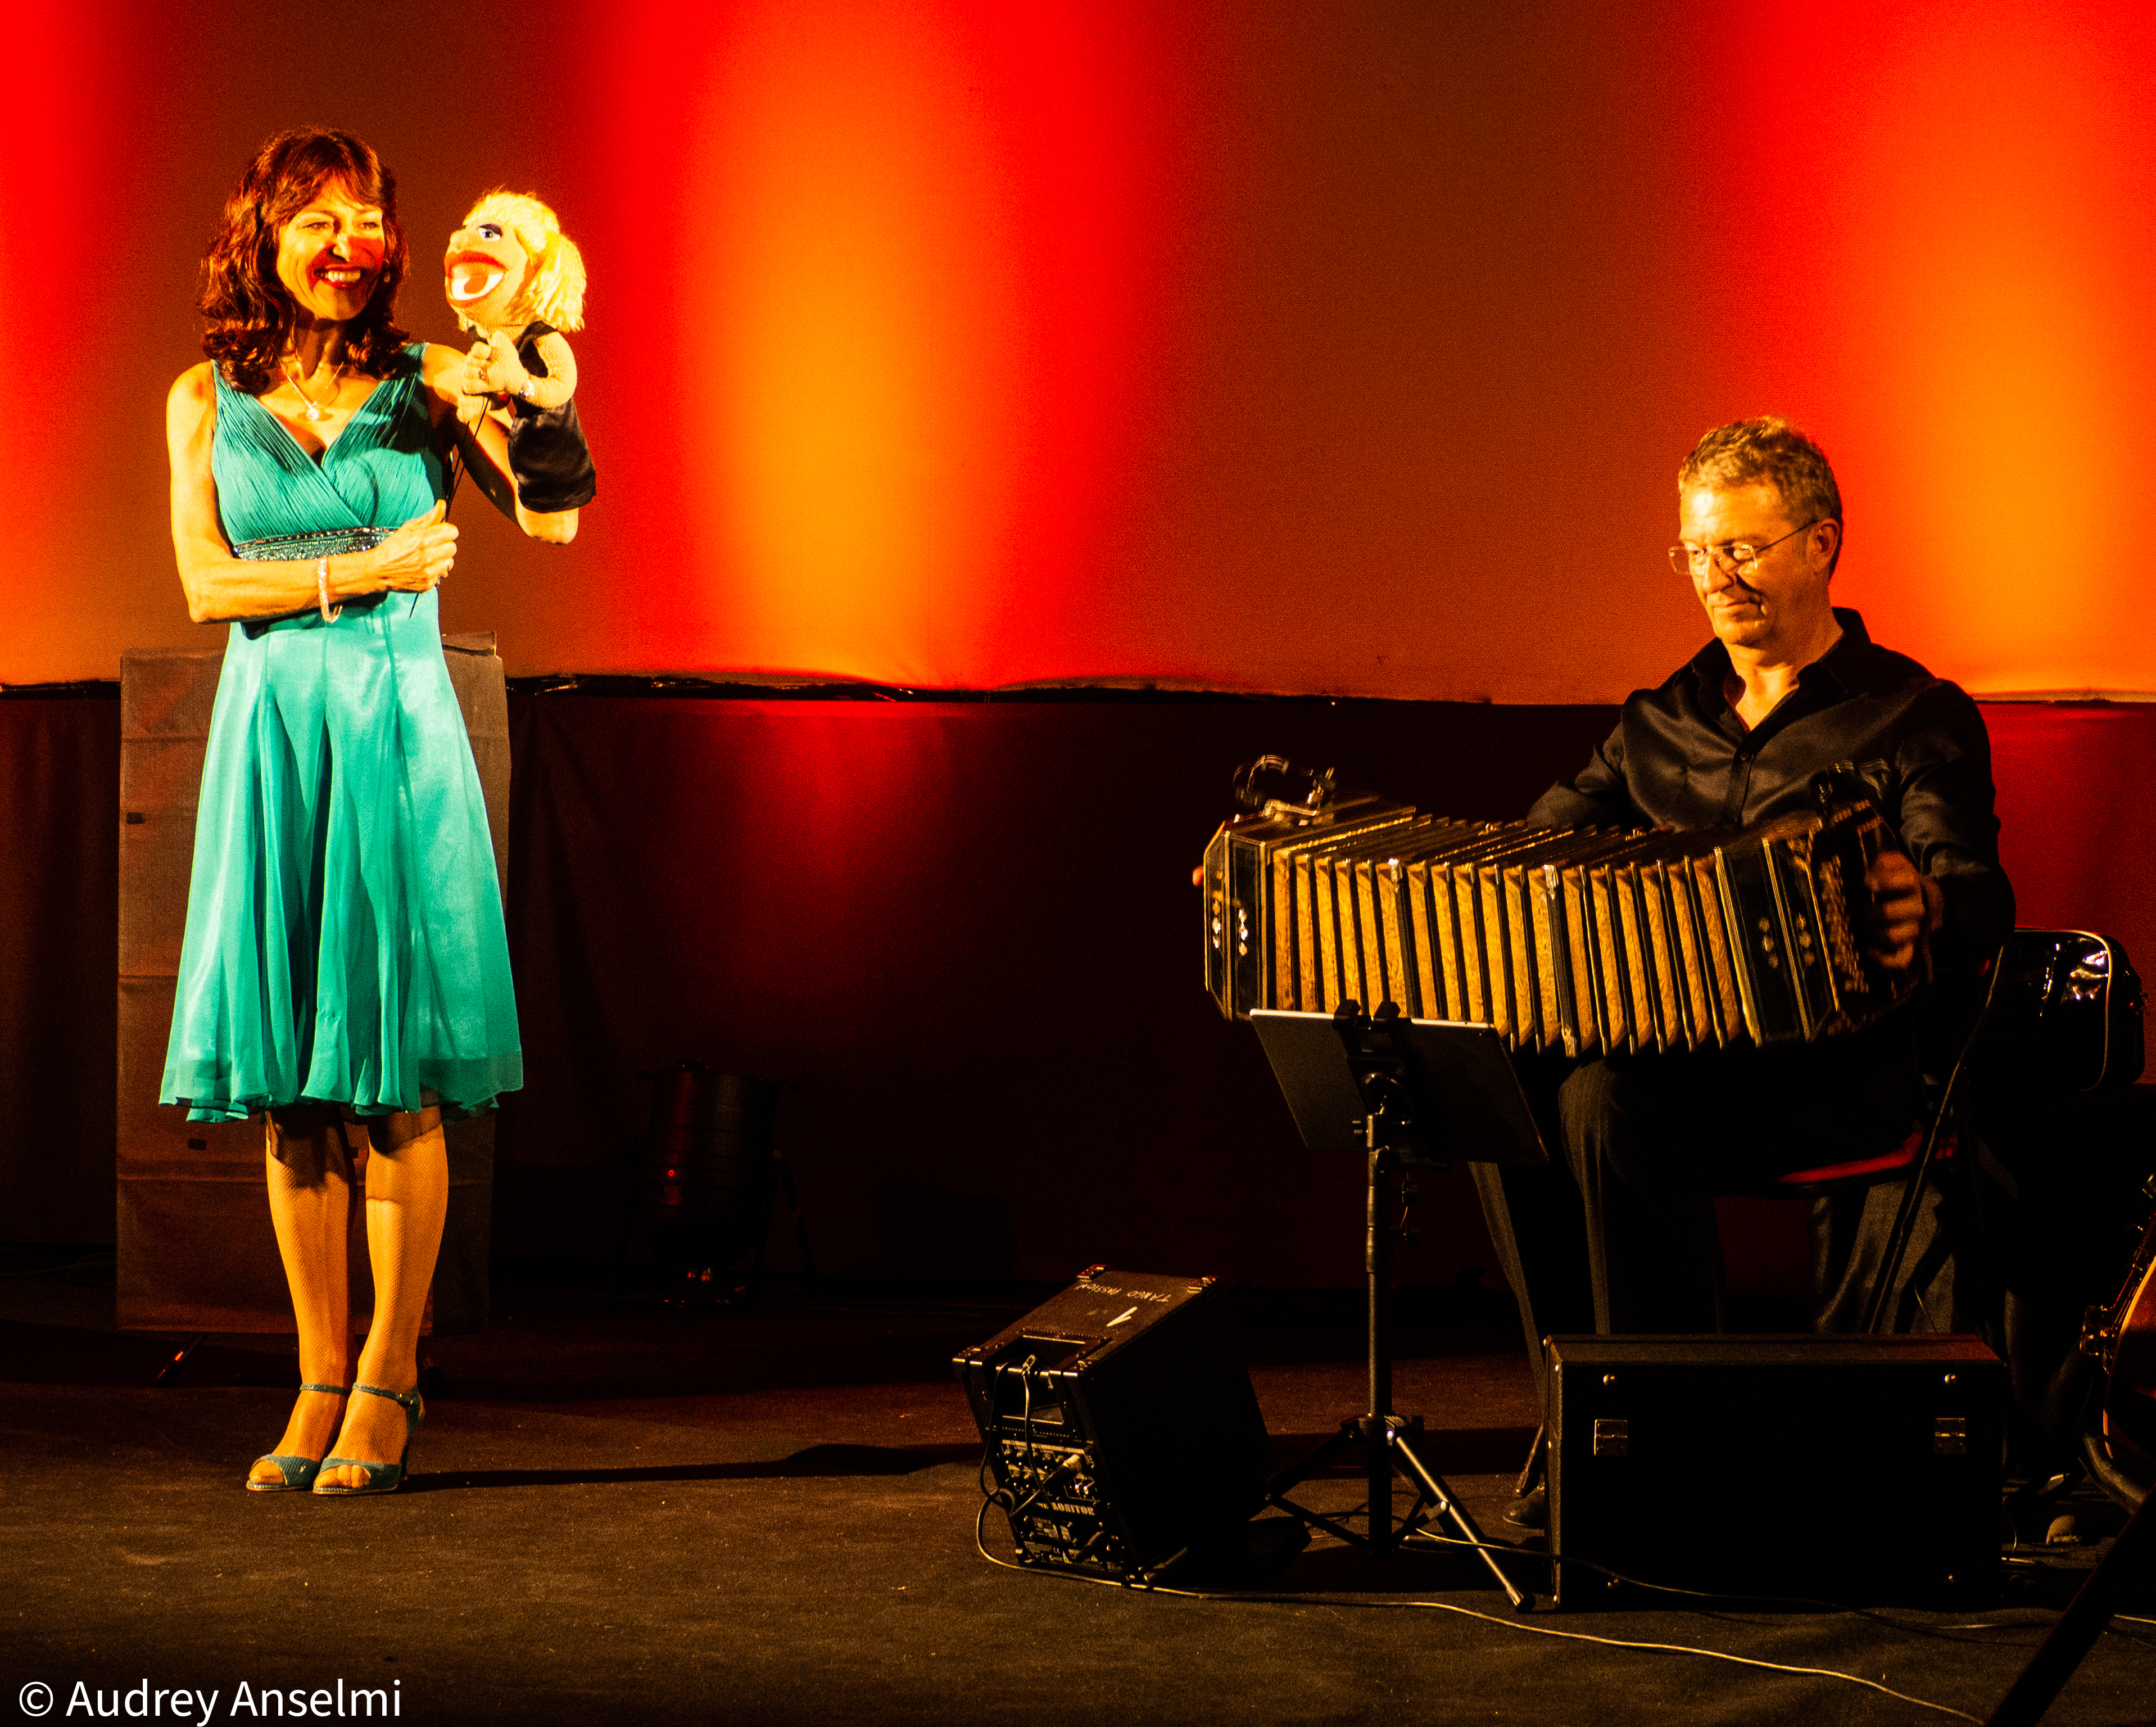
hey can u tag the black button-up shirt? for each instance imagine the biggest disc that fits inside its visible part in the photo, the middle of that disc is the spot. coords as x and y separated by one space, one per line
1682 757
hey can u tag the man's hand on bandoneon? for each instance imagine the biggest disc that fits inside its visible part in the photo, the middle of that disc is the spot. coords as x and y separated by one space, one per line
1904 904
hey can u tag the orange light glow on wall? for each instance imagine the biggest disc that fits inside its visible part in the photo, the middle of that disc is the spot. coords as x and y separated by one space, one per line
860 382
902 308
60 374
1950 199
1347 349
2013 338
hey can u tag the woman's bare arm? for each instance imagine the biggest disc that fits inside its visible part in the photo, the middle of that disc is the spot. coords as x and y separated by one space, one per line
220 586
486 450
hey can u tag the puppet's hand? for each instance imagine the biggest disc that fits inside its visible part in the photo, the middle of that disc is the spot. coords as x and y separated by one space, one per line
493 367
471 409
487 368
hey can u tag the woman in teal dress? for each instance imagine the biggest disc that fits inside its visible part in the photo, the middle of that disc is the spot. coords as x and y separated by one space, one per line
344 976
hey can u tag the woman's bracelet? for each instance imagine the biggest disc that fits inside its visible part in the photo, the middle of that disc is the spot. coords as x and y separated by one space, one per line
331 614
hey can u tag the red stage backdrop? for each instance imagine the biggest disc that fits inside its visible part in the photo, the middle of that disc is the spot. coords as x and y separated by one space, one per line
1254 344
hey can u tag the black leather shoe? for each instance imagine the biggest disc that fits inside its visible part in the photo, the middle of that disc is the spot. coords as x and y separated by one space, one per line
1530 1511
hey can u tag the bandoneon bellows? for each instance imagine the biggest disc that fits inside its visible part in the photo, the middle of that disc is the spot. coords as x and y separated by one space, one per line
1579 939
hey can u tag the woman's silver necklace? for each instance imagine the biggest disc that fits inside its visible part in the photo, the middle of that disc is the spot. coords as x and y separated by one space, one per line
315 409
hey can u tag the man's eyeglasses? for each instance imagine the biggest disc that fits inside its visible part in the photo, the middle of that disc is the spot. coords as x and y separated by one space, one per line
1734 557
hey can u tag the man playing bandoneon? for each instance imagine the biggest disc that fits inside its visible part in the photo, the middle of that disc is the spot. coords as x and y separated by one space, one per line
1789 686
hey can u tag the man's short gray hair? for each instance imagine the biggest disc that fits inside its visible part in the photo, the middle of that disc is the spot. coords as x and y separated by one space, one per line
1768 451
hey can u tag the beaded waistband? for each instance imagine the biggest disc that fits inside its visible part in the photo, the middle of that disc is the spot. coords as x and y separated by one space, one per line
324 542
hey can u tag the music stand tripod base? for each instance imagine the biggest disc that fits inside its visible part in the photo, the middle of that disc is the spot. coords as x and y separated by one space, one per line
1407 1094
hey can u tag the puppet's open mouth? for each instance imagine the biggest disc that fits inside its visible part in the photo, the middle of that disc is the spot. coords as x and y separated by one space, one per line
473 276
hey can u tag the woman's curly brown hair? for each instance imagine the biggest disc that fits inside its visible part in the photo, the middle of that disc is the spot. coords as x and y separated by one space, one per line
250 315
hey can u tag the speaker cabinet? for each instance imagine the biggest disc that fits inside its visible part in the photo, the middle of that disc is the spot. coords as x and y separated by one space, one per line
1857 1469
1118 1419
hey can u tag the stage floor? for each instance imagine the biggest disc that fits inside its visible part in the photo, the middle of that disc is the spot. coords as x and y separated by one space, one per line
622 1511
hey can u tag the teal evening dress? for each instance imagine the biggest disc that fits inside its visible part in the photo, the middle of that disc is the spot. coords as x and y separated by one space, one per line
344 939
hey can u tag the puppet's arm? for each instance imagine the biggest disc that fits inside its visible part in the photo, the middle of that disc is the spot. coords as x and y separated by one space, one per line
501 371
488 458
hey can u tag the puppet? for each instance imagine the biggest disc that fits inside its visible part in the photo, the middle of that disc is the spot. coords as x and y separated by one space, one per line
513 276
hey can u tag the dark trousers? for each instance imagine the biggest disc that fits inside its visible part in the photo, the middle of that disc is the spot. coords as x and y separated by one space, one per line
1618 1234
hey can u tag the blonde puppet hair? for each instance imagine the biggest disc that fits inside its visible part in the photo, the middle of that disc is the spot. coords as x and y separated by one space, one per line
555 293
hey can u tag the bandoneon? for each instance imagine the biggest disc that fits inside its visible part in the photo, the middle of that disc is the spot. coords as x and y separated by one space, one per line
1580 939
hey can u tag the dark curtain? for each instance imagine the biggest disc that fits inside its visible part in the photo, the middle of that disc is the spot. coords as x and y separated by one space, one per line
963 933
60 881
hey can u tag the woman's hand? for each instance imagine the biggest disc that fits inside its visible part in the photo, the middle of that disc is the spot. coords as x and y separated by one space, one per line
415 557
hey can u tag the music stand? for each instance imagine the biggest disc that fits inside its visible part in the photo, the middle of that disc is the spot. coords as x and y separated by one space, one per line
1407 1094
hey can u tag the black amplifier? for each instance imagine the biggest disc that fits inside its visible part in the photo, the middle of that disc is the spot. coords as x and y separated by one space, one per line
1858 1469
1118 1419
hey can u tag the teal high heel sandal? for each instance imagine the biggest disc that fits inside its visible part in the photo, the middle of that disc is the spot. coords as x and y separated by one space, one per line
294 1475
381 1477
